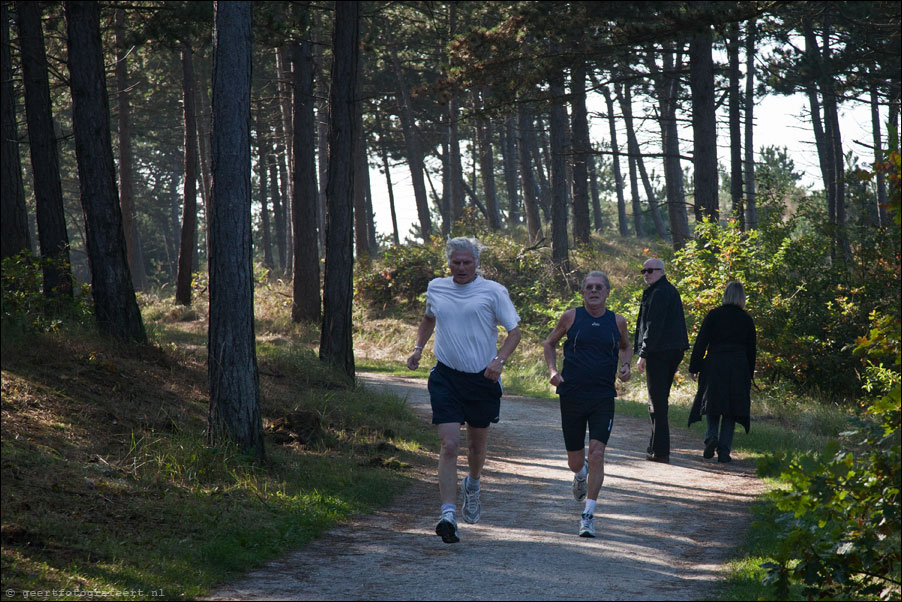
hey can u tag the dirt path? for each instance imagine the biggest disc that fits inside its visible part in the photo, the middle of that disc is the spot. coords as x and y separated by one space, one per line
664 530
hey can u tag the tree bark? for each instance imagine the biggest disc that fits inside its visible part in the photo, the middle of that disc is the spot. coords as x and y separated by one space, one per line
530 202
582 225
126 179
189 208
704 125
751 206
262 167
509 162
736 183
878 212
232 355
14 221
307 302
115 305
560 245
626 105
391 194
596 204
336 341
487 171
48 192
618 176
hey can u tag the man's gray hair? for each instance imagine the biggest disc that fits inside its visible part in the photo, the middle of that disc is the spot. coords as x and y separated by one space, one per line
734 294
464 245
596 274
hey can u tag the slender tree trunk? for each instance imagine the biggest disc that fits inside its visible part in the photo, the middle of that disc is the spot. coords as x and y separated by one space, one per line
879 211
322 136
278 209
626 105
278 177
262 167
48 192
202 95
831 118
307 302
618 177
704 125
530 202
14 221
509 161
560 245
115 305
668 81
126 198
487 169
544 188
736 183
596 203
414 152
232 354
391 194
582 225
336 342
751 207
456 190
189 209
361 231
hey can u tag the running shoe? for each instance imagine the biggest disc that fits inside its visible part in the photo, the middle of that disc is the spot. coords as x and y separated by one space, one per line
447 528
580 487
587 526
472 509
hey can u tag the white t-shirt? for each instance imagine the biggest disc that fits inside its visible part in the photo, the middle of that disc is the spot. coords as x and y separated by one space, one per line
466 321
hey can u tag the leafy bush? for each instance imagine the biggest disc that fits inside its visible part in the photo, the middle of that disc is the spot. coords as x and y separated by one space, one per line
24 304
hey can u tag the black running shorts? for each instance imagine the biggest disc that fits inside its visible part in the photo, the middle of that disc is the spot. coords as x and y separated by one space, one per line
463 397
576 414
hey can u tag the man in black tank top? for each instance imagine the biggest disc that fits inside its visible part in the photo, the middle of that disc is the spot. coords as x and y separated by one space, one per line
596 351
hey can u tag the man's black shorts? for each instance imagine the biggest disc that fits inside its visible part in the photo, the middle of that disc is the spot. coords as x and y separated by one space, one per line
463 397
598 414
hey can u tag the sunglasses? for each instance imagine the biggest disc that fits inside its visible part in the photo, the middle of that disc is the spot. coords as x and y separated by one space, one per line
648 270
594 287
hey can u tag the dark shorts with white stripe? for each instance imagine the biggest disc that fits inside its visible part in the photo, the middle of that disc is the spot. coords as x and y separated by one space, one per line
577 414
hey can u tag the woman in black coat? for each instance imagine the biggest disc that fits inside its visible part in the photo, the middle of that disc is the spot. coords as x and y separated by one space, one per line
724 356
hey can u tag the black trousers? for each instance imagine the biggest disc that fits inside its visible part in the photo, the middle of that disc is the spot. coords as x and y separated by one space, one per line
660 367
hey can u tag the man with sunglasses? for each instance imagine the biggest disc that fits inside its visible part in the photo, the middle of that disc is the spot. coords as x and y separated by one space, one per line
597 350
661 340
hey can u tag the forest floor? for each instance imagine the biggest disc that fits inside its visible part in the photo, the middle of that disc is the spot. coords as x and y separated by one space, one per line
664 530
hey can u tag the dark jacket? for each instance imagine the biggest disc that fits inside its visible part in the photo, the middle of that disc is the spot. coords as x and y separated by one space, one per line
724 357
661 325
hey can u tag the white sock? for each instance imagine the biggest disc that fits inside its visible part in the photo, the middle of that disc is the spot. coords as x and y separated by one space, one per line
473 484
582 474
590 506
449 508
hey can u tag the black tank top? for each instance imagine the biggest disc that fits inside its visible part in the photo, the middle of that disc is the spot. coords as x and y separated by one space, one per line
591 352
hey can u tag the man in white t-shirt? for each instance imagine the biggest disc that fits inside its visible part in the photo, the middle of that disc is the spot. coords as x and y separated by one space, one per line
464 311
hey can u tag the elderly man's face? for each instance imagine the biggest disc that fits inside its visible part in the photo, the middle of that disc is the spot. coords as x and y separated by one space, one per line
594 291
463 267
652 271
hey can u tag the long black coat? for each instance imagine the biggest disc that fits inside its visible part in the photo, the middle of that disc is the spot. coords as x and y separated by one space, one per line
724 357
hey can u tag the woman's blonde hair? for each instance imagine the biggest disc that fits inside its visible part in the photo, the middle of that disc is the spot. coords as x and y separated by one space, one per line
734 294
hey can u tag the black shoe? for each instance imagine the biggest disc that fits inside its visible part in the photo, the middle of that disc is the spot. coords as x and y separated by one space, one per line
710 448
664 459
724 458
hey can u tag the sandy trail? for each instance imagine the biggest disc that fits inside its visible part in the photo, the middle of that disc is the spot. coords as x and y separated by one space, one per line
664 530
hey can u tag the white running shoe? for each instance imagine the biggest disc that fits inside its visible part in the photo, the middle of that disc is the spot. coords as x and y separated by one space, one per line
587 526
472 509
581 487
447 528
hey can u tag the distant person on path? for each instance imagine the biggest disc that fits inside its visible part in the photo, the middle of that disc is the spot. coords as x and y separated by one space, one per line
724 355
464 311
661 341
597 350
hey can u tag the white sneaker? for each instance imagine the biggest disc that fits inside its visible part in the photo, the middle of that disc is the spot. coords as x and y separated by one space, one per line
472 509
587 526
580 488
447 528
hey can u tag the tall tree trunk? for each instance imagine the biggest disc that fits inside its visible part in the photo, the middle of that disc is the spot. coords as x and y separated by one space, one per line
232 354
115 305
283 218
456 190
544 189
48 192
560 246
336 341
751 207
736 183
618 176
530 201
487 168
202 95
624 96
596 203
414 151
704 124
189 208
126 198
667 82
509 161
581 148
278 209
361 229
879 211
383 150
262 167
307 302
14 221
322 134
